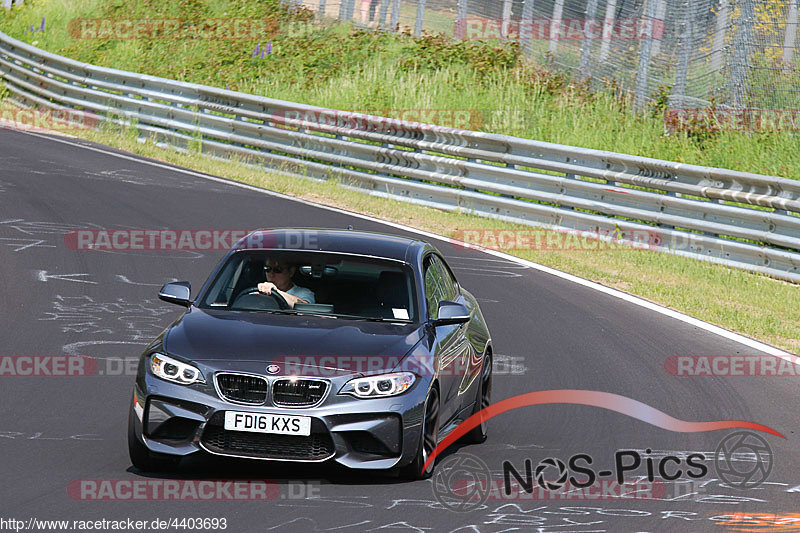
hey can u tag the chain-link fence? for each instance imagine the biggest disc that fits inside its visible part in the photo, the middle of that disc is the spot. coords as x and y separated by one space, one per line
736 53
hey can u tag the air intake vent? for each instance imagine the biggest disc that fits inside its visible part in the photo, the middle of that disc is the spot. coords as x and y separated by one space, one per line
242 388
297 393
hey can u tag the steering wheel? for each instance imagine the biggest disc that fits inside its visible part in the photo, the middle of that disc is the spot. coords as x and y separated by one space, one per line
279 299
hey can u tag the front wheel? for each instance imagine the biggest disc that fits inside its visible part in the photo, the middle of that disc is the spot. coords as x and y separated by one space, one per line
428 442
142 458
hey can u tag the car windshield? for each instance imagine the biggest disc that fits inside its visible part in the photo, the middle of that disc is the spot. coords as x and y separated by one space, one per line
342 286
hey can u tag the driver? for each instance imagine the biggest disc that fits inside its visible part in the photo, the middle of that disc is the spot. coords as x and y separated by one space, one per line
279 278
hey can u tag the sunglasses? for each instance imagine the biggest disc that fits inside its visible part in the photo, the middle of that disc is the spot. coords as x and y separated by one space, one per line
275 269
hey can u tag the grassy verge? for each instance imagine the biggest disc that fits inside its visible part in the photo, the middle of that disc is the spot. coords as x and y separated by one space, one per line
335 66
751 304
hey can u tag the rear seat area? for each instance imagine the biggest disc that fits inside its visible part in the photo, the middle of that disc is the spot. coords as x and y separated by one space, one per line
348 298
373 299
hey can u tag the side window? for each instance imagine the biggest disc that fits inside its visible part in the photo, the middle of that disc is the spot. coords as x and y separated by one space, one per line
434 286
451 286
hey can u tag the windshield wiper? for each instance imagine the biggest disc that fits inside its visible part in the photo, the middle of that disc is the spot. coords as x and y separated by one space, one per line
373 319
272 311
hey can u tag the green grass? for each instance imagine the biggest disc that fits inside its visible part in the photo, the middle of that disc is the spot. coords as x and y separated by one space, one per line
337 66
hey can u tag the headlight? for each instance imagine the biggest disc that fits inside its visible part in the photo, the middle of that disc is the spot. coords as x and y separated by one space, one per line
379 386
173 370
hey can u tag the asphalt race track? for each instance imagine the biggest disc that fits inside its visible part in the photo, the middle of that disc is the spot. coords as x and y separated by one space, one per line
548 332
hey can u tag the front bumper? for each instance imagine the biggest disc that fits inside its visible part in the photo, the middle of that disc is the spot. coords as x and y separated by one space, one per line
181 420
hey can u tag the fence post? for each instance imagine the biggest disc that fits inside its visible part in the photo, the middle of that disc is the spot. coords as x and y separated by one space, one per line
321 8
684 50
395 20
506 19
383 12
608 28
526 26
660 13
645 52
555 26
461 19
791 32
720 29
589 35
737 86
420 18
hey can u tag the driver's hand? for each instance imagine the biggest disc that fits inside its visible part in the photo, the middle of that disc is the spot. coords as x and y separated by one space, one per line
266 287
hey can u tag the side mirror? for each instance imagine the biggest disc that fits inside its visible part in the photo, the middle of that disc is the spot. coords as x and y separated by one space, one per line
178 292
451 313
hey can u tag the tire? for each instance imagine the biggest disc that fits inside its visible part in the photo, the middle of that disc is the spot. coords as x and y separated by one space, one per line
145 460
482 401
429 440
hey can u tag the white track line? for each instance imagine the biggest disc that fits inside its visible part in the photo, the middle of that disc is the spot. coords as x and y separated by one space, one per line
741 339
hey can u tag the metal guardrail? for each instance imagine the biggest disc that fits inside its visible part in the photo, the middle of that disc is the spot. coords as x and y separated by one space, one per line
739 219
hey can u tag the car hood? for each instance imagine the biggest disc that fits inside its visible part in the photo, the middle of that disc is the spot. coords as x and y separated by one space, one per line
228 336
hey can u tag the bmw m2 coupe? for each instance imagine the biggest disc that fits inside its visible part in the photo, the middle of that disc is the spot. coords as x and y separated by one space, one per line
315 345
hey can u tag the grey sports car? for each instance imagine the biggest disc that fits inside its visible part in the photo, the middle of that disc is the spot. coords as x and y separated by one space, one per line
314 345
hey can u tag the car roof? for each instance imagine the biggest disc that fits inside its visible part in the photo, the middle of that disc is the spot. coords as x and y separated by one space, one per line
332 240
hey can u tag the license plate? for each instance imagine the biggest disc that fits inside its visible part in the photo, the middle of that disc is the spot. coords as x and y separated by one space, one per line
268 423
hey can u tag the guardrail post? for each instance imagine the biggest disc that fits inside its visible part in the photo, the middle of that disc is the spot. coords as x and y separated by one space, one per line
791 32
526 26
555 26
608 28
737 86
7 4
321 8
420 18
589 28
720 29
645 52
684 51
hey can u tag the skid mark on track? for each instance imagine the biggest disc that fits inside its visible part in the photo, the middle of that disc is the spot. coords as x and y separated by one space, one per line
485 267
121 320
20 244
